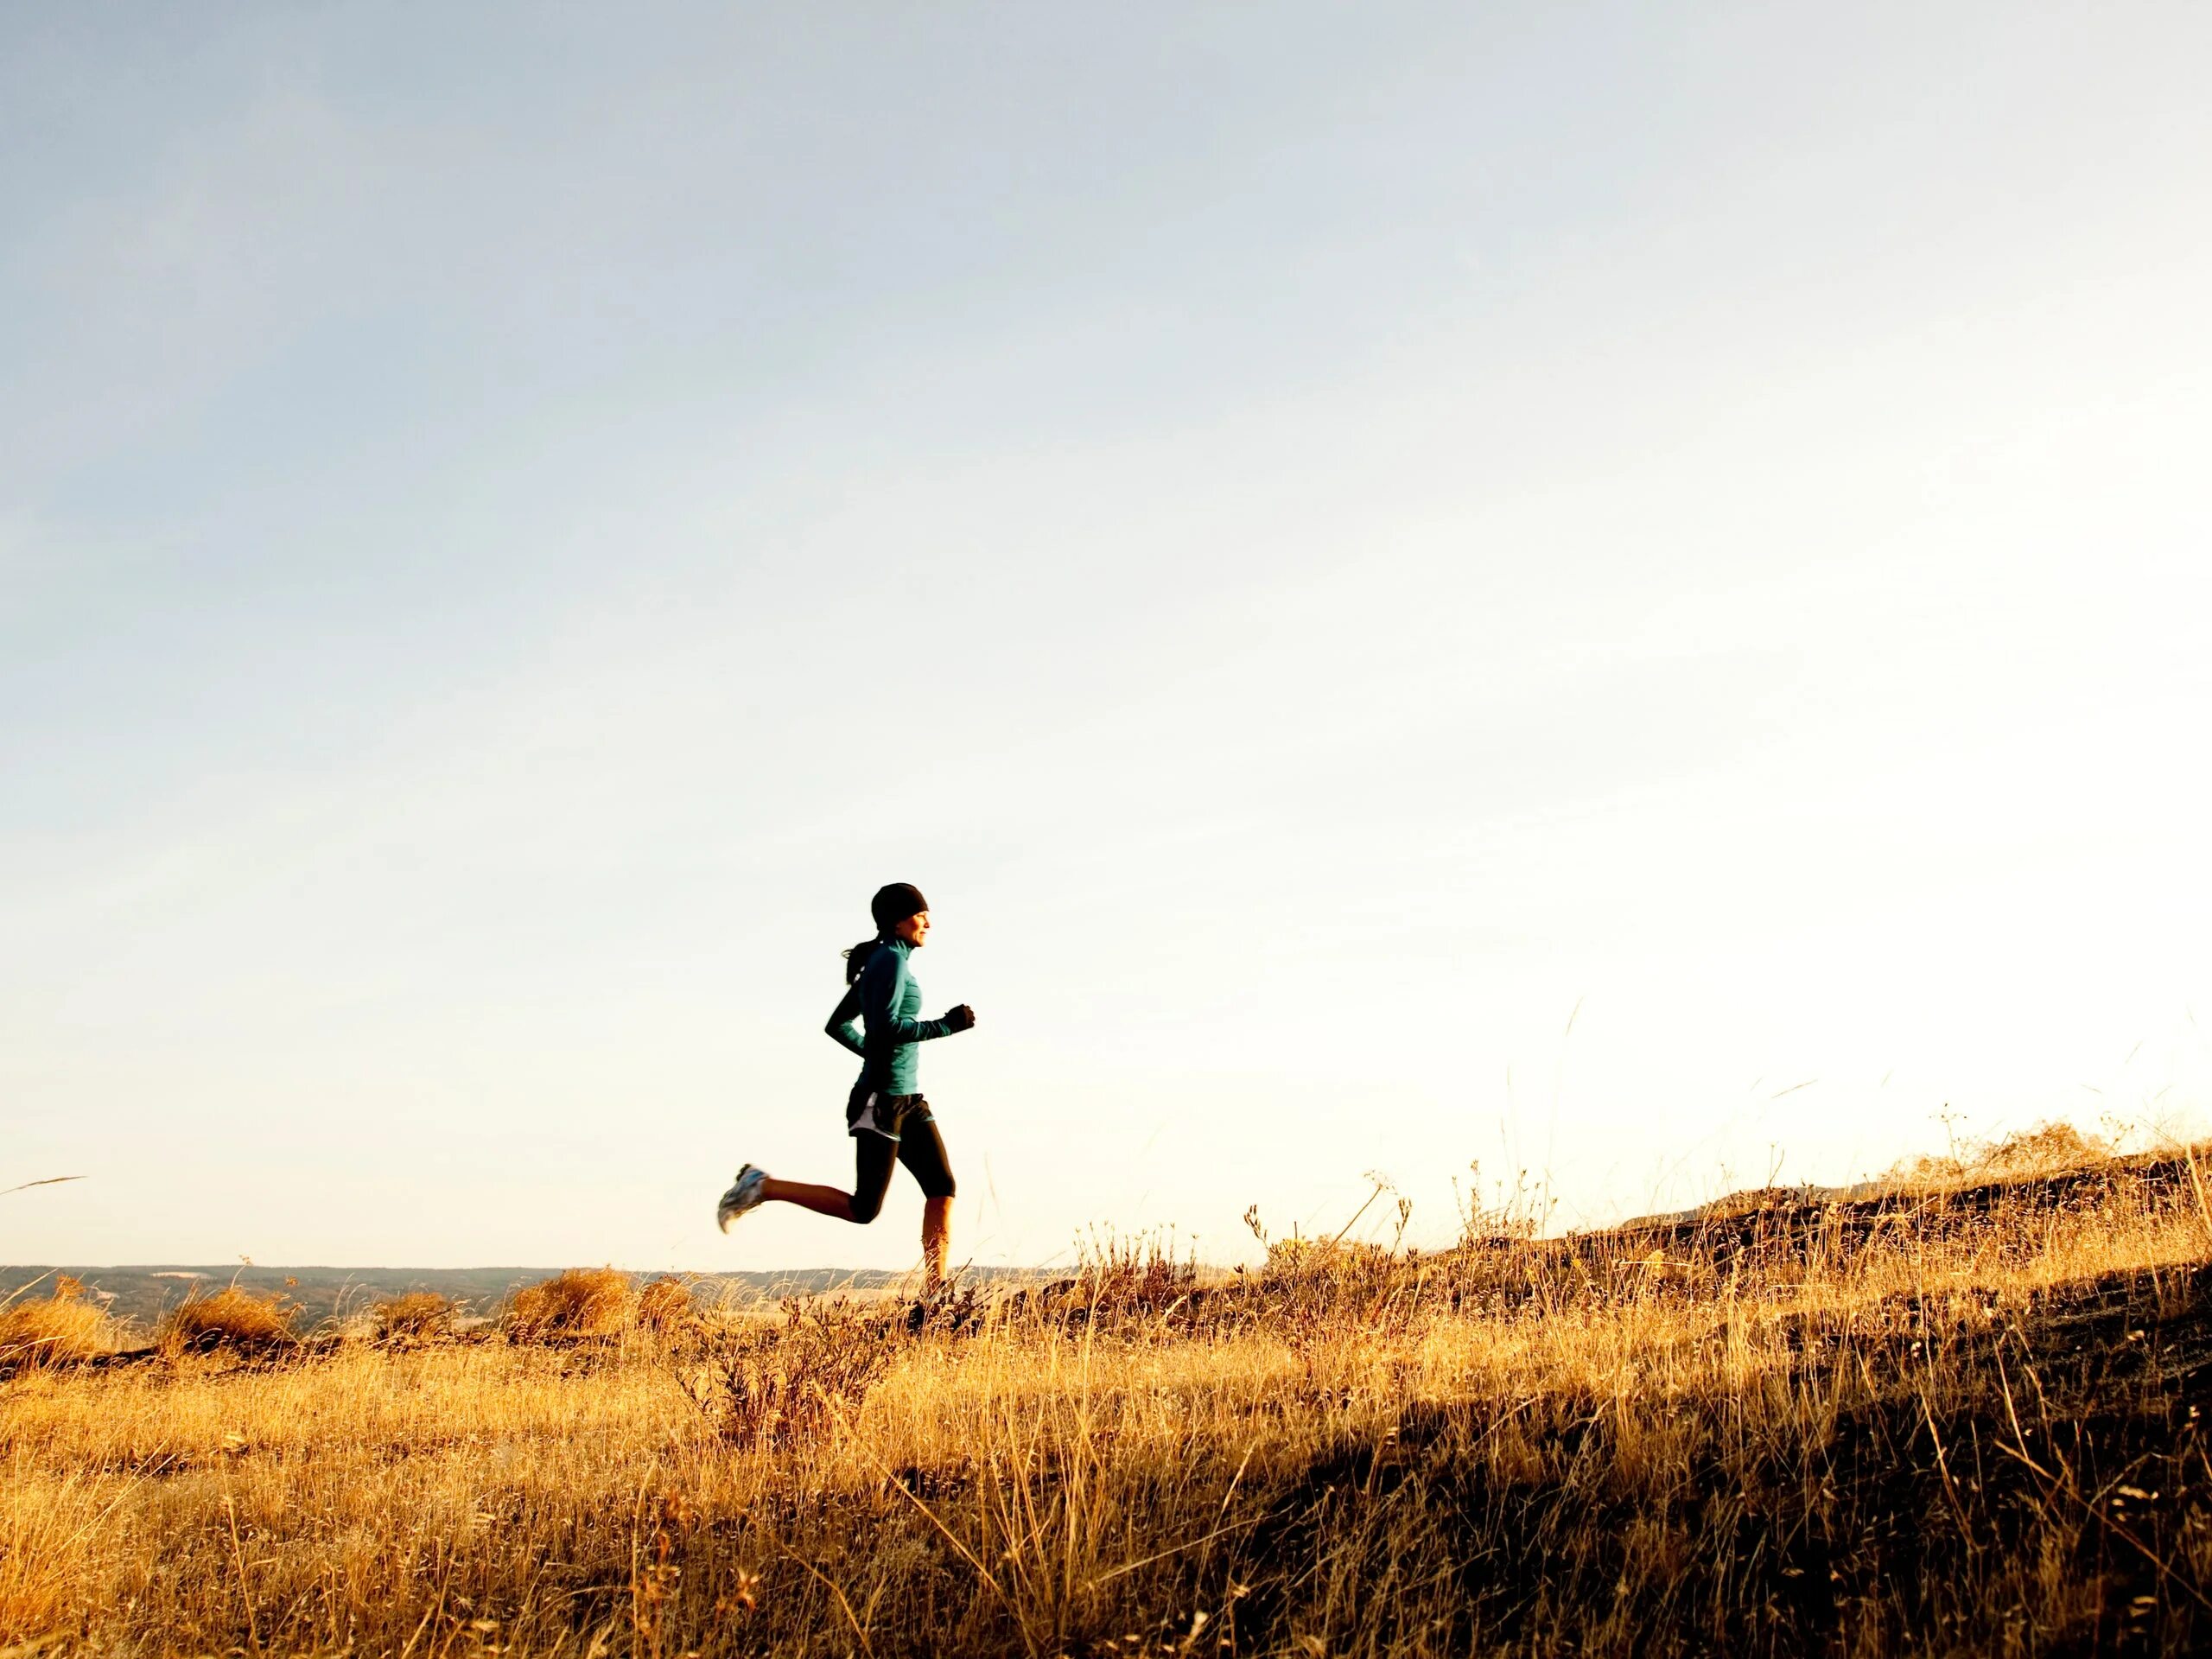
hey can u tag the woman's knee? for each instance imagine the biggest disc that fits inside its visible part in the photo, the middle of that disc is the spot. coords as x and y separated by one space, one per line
872 1161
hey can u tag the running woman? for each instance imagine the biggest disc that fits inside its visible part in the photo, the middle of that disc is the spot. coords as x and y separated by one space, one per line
885 1114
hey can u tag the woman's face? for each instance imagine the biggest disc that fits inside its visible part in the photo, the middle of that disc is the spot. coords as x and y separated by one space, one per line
915 930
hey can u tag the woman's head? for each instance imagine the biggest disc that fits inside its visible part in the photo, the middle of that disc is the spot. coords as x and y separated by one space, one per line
901 911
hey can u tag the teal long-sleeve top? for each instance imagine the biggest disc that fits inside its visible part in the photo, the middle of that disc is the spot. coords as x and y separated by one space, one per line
885 998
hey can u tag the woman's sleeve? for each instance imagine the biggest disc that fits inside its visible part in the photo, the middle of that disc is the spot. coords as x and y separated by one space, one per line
881 984
840 1024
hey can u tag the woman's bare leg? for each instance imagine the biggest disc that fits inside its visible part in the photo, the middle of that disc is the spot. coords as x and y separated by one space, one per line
822 1200
872 1157
936 1240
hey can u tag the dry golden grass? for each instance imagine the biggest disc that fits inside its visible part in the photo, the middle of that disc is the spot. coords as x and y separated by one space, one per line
64 1328
415 1316
2047 1149
582 1302
231 1317
665 1306
1971 1426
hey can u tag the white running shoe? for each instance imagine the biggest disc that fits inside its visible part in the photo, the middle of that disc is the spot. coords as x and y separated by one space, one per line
744 1193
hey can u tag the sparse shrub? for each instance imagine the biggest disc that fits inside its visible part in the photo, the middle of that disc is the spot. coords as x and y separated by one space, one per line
582 1302
231 1317
1309 1276
1117 1278
1344 1262
778 1383
1511 1215
1132 1275
61 1329
417 1315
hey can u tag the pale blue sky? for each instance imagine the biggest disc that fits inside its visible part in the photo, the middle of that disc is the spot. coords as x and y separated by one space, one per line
1323 538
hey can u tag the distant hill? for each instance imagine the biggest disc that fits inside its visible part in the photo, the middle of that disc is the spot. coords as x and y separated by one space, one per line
141 1293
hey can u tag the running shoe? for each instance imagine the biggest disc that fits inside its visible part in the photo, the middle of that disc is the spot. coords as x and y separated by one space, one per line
744 1193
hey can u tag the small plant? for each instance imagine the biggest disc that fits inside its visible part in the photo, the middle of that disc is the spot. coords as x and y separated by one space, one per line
582 1302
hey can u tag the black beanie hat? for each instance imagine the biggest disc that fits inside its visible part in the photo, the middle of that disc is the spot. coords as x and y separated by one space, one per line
895 904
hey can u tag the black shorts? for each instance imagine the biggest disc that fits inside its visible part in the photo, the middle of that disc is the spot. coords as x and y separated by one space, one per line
888 1128
868 1110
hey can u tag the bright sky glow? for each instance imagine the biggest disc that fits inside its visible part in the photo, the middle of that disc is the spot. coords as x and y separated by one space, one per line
1326 539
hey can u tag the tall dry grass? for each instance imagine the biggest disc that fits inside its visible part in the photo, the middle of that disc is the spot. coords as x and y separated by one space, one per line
582 1302
1971 1426
230 1318
64 1327
414 1316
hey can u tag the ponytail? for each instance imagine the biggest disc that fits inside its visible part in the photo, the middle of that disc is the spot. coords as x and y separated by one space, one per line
856 956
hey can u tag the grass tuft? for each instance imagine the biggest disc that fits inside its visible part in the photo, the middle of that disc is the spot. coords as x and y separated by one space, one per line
416 1316
66 1328
581 1302
665 1307
2047 1149
231 1318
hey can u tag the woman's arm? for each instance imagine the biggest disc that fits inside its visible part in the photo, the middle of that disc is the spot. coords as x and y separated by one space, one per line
883 982
840 1024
